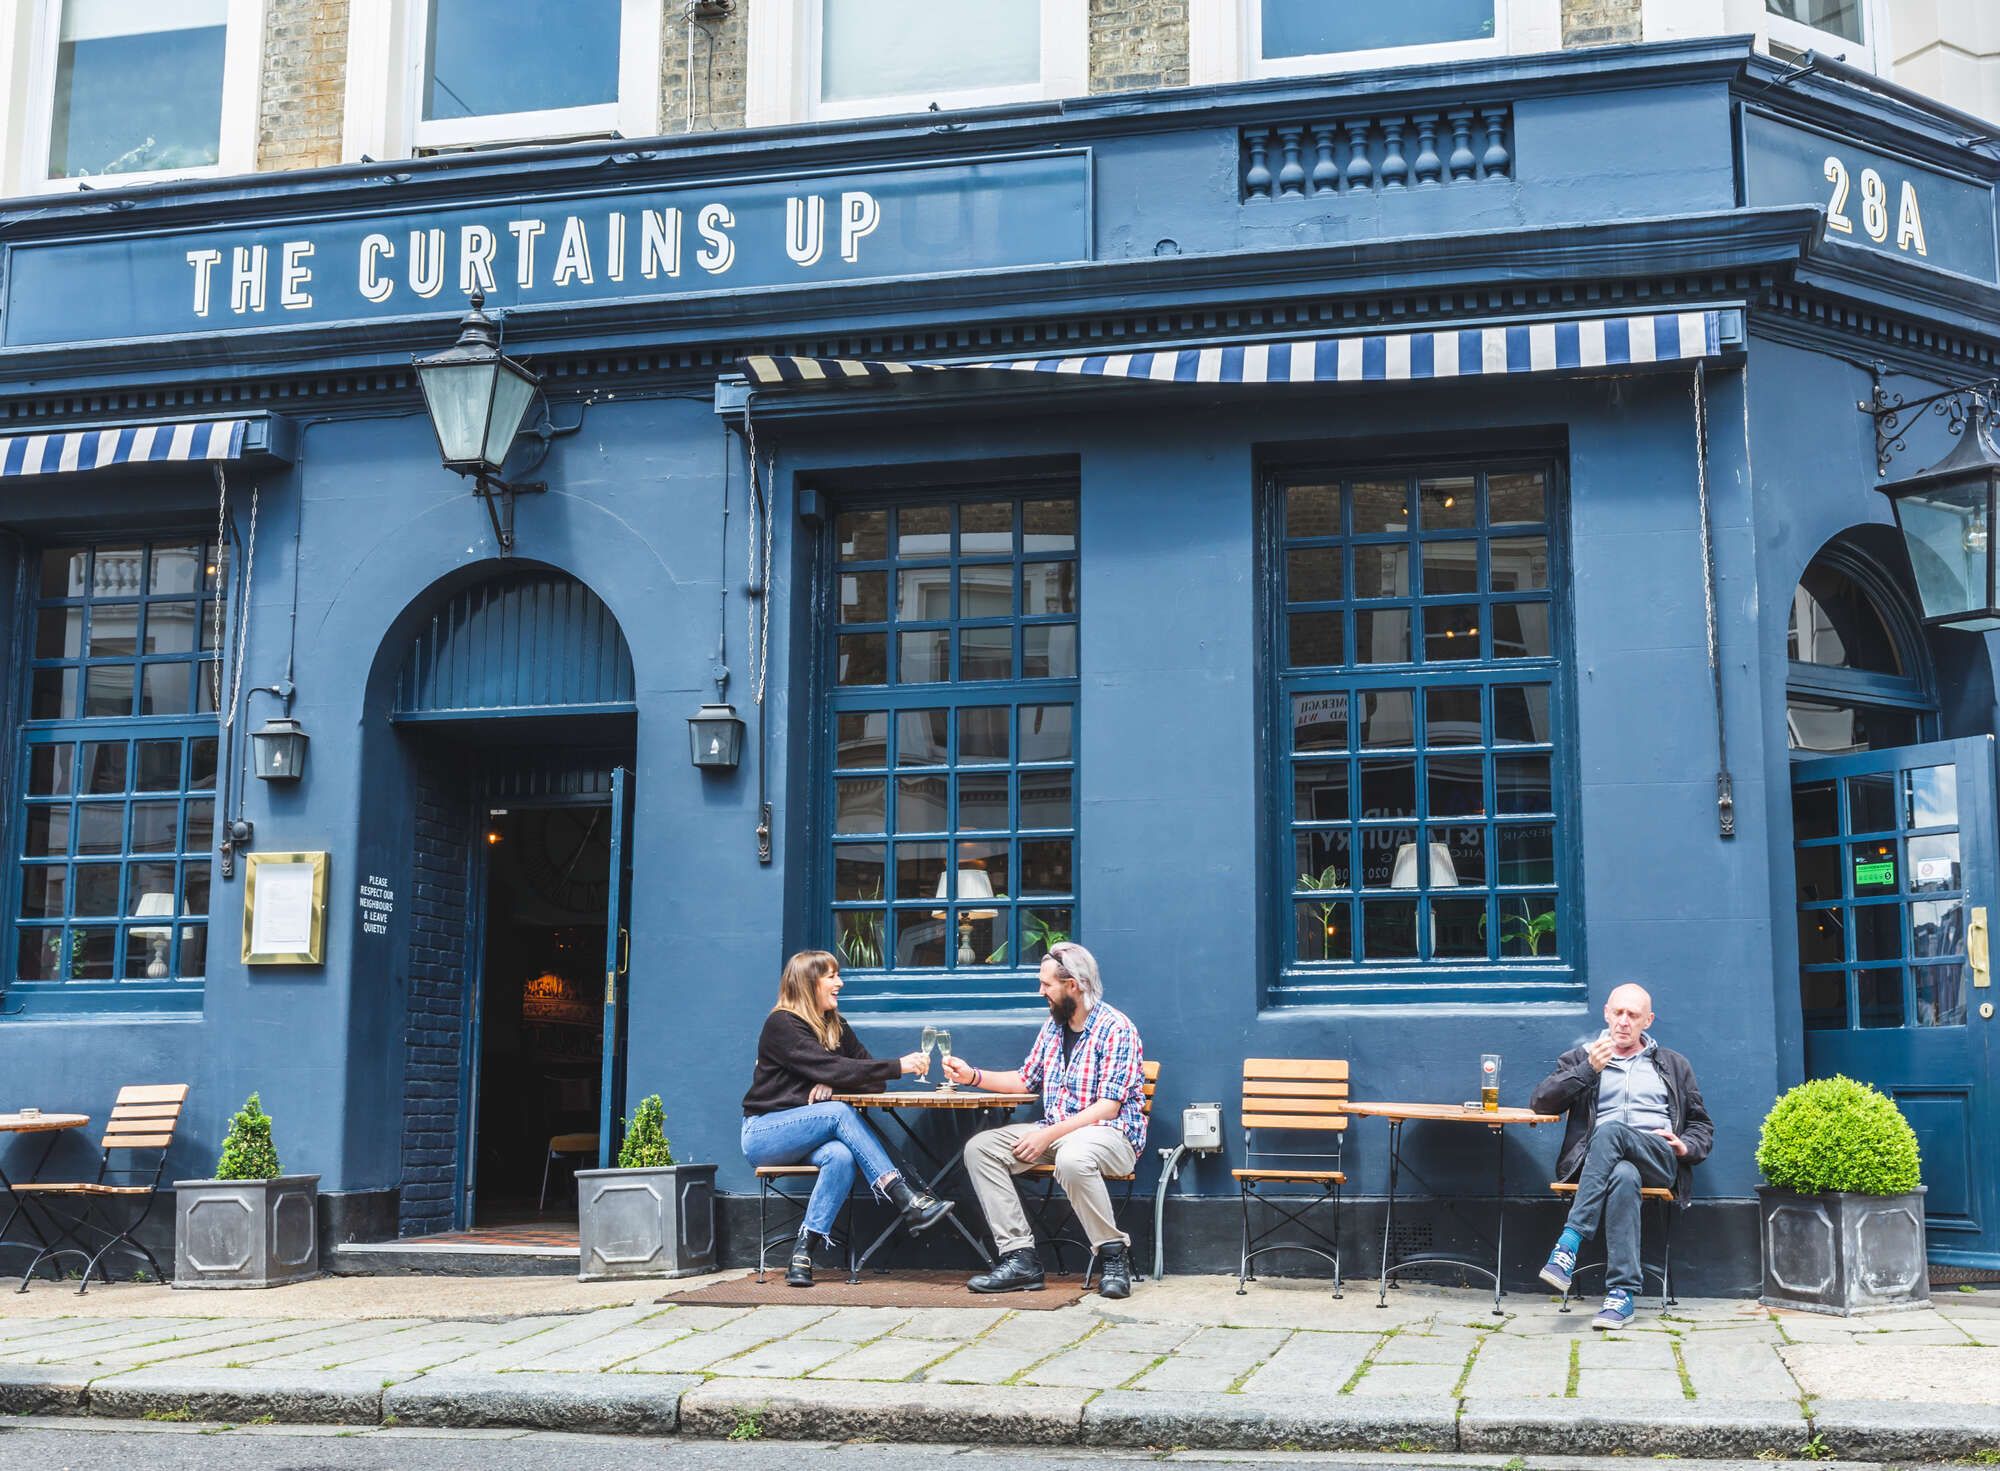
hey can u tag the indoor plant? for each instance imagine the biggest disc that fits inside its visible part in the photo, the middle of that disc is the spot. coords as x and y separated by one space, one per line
648 1217
251 1225
1842 1221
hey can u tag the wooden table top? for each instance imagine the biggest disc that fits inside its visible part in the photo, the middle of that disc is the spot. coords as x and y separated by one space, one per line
1450 1113
932 1098
14 1123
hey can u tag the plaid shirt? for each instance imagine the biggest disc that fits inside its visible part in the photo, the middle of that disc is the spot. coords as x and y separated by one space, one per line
1107 1062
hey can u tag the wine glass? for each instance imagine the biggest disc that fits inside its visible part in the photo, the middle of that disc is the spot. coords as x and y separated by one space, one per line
924 1045
944 1056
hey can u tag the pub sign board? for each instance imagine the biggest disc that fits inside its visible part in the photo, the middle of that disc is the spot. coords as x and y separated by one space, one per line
1875 199
562 249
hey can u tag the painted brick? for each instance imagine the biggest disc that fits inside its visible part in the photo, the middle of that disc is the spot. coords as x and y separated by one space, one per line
303 75
1138 43
1601 22
717 72
433 1031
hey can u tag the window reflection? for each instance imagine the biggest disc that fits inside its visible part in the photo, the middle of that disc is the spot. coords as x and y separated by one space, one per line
112 112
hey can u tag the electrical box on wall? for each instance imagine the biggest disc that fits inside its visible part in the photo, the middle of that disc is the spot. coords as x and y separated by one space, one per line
1201 1126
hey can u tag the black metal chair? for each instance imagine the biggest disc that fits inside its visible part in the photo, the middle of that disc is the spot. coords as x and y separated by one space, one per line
771 1182
1292 1096
1648 1195
1048 1208
142 1123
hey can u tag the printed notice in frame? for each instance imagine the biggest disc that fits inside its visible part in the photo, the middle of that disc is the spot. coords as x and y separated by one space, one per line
284 908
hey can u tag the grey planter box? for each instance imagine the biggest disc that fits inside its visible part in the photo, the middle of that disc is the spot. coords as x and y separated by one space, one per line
1843 1254
246 1233
646 1223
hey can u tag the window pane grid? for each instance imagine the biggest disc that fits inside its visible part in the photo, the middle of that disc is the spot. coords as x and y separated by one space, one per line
953 720
1416 682
118 811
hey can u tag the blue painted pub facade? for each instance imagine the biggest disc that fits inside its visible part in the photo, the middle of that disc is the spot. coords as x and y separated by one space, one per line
1412 562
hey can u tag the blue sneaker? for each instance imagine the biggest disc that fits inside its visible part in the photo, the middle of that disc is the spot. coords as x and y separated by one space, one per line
1617 1310
1557 1269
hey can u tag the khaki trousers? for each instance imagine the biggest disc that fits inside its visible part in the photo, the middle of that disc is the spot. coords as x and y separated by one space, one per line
1082 1160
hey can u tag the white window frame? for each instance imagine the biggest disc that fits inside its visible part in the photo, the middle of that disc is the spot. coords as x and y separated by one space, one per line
782 78
31 67
386 58
1672 20
1225 42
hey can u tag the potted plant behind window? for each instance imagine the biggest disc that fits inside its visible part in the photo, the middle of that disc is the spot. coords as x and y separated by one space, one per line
649 1217
1842 1221
250 1226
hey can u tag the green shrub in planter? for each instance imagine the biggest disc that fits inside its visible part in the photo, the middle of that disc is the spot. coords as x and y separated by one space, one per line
247 1150
645 1146
1834 1134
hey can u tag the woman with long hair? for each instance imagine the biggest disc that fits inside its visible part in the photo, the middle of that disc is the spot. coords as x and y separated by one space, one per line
806 1053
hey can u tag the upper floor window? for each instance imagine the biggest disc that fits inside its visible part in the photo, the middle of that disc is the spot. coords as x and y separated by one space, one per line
952 711
426 75
115 822
857 58
1847 29
1290 33
1418 703
135 90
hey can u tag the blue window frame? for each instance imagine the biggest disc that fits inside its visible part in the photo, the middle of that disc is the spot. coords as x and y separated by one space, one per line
1417 725
115 823
951 709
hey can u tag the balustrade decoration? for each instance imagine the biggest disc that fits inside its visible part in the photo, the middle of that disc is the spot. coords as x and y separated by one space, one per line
1457 145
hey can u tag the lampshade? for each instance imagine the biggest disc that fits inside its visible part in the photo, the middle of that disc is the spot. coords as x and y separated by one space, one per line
153 904
476 396
973 883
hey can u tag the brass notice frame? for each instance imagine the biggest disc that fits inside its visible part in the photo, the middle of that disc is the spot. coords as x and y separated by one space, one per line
289 891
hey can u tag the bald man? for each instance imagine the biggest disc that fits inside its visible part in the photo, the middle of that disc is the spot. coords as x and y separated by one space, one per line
1635 1119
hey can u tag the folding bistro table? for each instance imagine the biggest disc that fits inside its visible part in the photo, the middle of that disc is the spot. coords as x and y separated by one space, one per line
52 1125
1498 1120
968 1104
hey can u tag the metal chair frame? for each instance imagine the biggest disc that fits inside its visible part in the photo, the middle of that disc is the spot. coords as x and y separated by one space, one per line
1291 1096
769 1187
1648 1195
1042 1209
143 1120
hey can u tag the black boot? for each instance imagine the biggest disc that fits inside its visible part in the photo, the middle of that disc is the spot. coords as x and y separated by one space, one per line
1114 1270
1019 1271
921 1210
800 1273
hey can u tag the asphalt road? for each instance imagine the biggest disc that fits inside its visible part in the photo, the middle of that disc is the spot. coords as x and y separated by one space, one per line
107 1446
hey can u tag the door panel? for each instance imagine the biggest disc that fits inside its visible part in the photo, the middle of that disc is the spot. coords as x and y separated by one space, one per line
617 961
1894 862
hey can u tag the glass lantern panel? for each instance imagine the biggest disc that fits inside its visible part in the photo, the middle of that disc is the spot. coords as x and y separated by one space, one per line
1949 539
458 397
511 397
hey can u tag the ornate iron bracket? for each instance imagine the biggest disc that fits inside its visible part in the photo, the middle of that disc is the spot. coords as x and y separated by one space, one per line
498 498
1894 415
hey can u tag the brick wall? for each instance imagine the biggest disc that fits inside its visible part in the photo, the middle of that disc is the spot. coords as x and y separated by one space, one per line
718 69
303 74
1138 43
439 946
1600 22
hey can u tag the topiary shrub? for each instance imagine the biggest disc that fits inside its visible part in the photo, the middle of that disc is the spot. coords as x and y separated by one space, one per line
1836 1134
247 1150
645 1146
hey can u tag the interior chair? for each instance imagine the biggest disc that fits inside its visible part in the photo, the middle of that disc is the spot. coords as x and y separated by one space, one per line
565 1099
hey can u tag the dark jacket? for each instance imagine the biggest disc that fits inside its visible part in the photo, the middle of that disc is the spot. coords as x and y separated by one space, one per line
1572 1089
791 1058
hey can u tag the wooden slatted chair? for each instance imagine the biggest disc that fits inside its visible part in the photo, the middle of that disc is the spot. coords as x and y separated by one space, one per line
1648 1194
142 1123
1043 1209
1292 1096
771 1182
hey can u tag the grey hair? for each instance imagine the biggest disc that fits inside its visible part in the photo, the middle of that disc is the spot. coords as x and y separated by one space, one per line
1080 966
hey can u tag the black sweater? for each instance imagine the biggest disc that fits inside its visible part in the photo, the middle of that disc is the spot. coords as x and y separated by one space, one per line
791 1058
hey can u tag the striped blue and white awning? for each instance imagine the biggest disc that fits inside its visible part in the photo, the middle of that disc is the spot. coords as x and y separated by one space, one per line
1576 344
67 451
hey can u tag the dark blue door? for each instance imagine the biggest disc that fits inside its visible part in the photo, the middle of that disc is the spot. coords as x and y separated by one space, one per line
617 961
1896 872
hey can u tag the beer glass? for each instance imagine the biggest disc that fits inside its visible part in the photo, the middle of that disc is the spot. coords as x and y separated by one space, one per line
1489 1082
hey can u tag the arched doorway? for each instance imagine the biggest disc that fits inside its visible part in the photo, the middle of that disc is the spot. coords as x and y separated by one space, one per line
1894 874
512 699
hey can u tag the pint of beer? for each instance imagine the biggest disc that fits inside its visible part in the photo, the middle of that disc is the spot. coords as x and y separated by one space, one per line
1489 1082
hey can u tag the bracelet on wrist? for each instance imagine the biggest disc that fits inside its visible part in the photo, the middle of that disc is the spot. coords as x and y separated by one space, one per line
978 1076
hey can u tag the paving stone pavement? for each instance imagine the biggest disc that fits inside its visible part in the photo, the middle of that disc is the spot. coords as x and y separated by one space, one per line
1432 1349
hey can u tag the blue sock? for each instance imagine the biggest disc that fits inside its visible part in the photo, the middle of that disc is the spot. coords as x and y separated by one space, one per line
1569 1241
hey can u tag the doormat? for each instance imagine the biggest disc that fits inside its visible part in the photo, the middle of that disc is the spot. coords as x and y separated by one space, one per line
1963 1277
900 1289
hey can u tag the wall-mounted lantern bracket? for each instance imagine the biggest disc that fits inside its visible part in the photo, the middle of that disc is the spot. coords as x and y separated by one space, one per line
1895 415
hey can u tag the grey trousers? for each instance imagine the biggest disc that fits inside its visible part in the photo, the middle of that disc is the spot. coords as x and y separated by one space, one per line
1621 1159
1082 1160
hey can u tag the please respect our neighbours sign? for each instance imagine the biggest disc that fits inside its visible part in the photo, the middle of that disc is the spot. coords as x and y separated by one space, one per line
564 249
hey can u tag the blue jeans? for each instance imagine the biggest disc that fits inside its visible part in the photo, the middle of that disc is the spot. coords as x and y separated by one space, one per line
830 1135
1621 1159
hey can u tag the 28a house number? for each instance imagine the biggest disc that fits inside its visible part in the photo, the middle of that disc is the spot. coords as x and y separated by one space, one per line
1874 207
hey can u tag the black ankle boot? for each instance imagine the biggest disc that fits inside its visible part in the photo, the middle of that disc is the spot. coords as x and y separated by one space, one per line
1019 1271
1114 1270
800 1274
921 1210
